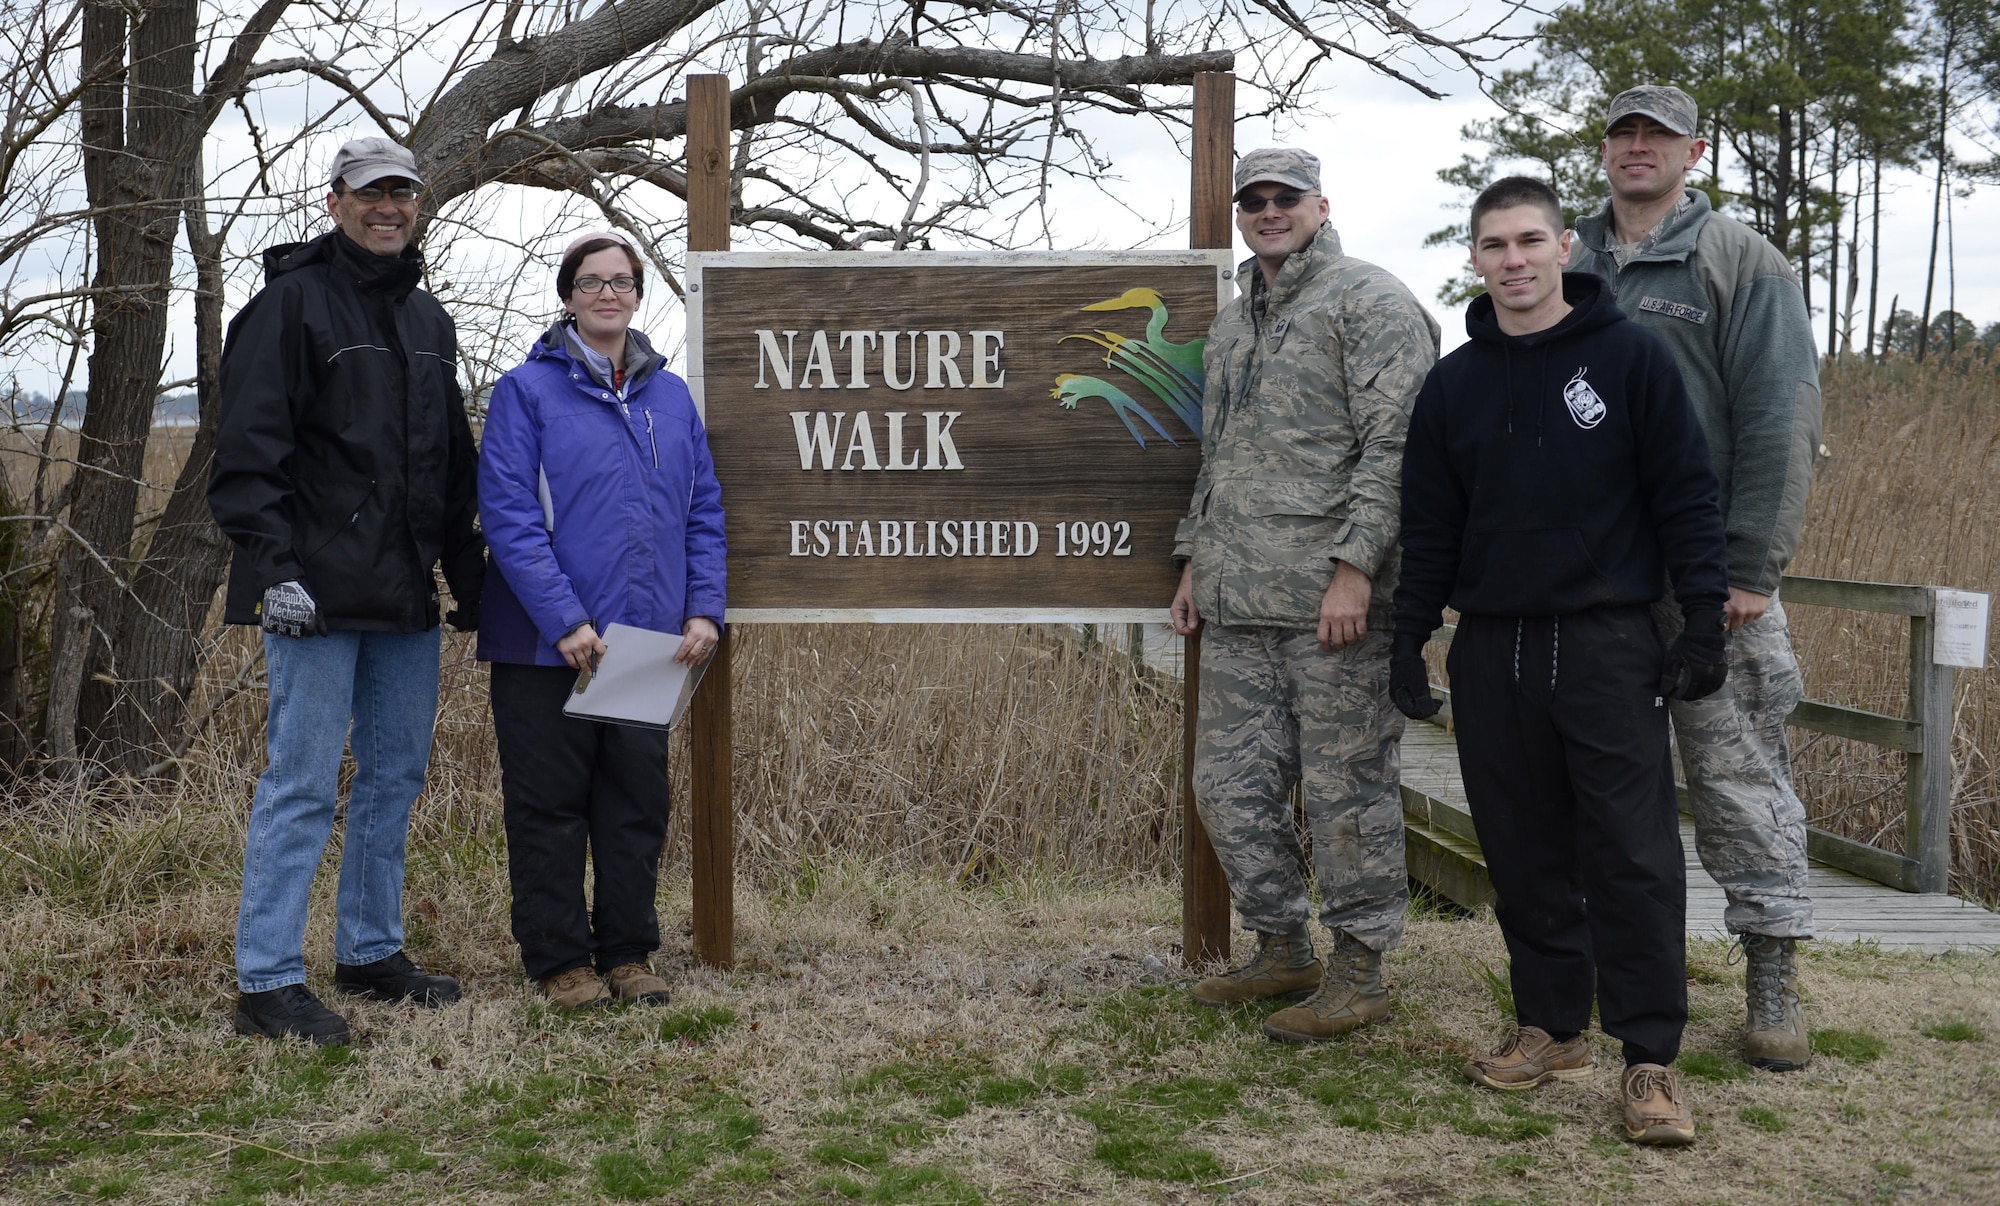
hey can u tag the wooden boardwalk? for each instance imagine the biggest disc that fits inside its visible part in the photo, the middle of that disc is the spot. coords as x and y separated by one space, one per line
1444 852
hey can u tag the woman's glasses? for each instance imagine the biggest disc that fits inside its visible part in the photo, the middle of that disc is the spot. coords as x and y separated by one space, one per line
1255 205
595 284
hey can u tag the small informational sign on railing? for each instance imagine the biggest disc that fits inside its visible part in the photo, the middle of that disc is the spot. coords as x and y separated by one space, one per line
1959 628
997 437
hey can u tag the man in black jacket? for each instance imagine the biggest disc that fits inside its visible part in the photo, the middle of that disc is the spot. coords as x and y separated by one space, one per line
1554 474
344 472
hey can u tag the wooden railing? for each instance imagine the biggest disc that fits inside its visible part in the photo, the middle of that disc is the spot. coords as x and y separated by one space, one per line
1923 736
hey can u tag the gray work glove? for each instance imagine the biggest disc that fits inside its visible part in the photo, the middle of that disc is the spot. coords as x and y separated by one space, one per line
288 610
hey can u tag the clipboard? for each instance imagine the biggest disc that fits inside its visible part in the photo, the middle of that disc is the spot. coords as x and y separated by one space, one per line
637 681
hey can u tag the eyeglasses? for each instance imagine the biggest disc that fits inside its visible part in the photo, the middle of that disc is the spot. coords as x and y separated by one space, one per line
1255 205
594 284
372 195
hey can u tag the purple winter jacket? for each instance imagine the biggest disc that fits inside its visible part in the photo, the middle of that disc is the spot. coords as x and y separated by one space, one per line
594 508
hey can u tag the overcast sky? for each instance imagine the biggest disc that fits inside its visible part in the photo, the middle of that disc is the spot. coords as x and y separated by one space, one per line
1382 145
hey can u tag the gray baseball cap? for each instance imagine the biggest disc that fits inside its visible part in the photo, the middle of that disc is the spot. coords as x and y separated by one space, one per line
363 161
1664 103
1288 166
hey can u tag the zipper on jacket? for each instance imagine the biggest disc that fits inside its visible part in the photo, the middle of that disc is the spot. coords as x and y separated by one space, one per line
652 441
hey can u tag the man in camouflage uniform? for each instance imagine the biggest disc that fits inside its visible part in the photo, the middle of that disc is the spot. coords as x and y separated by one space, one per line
1729 305
1289 554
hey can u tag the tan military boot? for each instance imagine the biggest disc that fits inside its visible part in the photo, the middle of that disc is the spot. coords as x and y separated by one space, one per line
1776 1037
1350 997
1283 969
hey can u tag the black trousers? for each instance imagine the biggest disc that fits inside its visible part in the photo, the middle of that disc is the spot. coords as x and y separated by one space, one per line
1562 738
571 786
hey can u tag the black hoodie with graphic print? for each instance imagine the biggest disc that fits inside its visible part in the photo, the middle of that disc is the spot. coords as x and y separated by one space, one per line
1558 471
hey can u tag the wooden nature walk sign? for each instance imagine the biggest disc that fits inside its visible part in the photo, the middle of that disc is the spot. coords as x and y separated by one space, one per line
943 436
919 436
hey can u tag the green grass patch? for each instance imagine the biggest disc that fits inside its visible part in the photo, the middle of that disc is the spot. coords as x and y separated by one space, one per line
1852 1046
629 1177
1954 1032
1763 1119
1142 1128
695 1025
1712 1065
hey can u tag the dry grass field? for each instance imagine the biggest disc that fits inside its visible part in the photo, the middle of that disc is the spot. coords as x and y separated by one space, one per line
960 978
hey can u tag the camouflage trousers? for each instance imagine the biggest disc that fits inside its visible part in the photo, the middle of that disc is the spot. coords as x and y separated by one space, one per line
1277 712
1750 827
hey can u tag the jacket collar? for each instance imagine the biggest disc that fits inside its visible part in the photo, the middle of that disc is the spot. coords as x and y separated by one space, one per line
561 344
1674 240
1299 269
396 276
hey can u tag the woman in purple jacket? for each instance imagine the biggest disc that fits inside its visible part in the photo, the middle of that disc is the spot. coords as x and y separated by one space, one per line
600 504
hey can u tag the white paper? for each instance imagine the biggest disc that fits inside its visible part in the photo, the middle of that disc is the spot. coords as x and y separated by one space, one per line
637 680
1958 632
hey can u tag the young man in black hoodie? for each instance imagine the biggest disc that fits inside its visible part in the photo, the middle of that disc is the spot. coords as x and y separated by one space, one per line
1554 475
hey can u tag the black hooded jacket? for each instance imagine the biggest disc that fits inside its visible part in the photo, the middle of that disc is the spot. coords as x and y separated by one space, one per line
343 457
1557 471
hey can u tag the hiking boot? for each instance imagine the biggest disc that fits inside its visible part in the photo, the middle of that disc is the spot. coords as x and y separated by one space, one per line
1529 1057
1776 1037
395 978
577 988
1655 1111
636 982
290 1012
1350 997
1283 969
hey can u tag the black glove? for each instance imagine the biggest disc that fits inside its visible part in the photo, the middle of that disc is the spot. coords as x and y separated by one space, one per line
288 610
1410 679
464 618
1698 661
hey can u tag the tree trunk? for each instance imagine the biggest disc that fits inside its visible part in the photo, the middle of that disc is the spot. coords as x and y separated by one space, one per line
134 138
1941 150
1875 258
172 588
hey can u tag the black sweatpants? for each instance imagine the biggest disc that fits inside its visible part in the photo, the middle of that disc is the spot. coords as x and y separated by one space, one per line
568 786
1562 738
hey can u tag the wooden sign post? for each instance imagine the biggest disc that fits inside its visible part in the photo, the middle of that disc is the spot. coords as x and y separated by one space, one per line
944 437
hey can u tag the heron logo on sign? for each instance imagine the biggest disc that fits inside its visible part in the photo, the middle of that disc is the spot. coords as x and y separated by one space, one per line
1170 372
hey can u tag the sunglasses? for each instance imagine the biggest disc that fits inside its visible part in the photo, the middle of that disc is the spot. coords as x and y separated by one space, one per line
1255 205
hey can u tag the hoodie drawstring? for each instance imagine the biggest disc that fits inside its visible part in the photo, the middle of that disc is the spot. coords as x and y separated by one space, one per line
1555 649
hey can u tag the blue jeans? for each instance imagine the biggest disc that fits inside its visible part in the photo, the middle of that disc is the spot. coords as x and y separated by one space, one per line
387 684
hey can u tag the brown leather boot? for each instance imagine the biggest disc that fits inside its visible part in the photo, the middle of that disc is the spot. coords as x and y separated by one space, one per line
1283 969
577 988
1350 997
1776 1036
1529 1057
1655 1111
636 982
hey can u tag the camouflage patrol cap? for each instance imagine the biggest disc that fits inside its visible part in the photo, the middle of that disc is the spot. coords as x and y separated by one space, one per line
1664 103
1288 166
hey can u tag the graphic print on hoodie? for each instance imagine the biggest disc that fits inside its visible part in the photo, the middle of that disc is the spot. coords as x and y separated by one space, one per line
1557 471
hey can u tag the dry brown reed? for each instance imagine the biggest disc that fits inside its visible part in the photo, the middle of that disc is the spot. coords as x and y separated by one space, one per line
983 749
1911 493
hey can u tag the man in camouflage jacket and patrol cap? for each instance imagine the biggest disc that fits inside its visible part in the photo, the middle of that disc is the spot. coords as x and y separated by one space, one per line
1289 556
1729 305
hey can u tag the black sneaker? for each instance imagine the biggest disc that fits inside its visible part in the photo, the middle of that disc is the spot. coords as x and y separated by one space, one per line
395 978
290 1012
